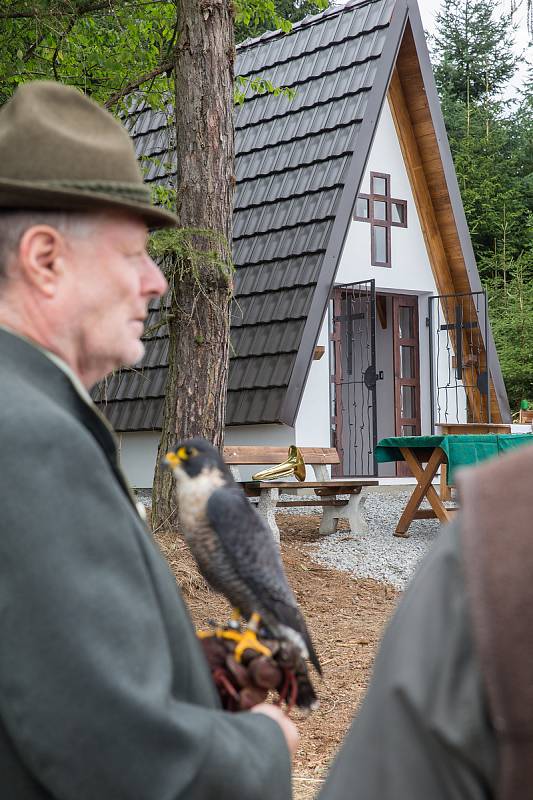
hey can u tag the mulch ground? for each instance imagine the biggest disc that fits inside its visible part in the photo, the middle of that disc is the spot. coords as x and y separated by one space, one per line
345 616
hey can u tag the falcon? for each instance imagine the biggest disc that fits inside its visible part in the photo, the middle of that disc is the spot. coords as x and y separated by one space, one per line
236 553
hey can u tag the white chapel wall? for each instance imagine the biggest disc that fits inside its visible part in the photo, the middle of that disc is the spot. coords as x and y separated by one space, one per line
272 435
411 270
313 428
138 454
138 450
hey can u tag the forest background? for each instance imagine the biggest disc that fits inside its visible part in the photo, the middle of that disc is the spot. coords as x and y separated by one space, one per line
113 48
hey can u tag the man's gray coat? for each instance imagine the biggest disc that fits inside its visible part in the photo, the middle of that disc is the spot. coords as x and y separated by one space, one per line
104 692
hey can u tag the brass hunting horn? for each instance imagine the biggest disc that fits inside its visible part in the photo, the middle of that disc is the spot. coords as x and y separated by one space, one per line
294 465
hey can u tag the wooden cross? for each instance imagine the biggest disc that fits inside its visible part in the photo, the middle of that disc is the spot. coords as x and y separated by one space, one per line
383 212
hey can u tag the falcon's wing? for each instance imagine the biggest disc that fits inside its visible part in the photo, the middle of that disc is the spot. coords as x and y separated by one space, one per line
249 544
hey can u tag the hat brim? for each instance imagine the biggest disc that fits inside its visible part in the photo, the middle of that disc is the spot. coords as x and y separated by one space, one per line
22 195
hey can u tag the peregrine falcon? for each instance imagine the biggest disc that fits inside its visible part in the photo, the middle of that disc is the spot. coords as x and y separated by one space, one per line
234 547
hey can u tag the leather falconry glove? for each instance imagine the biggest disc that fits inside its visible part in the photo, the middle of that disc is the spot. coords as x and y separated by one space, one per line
246 683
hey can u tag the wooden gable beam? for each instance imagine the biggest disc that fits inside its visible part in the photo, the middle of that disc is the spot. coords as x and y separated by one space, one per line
417 179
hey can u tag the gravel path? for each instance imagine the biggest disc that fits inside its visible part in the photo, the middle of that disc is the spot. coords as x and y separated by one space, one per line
377 553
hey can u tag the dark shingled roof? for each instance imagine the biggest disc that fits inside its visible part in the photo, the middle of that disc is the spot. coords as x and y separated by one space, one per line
293 159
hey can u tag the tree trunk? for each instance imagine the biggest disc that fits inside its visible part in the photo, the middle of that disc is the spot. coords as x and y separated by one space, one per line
201 282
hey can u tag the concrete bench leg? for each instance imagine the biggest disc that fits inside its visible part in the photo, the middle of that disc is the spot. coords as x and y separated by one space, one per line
267 508
330 519
352 511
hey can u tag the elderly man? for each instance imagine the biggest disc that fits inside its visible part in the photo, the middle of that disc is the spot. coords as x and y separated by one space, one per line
104 692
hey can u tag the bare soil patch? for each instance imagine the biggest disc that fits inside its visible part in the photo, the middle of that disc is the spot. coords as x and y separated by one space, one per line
345 616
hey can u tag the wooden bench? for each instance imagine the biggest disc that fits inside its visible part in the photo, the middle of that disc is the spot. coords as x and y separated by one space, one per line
327 490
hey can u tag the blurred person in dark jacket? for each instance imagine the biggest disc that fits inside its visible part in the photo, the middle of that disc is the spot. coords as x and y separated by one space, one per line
449 711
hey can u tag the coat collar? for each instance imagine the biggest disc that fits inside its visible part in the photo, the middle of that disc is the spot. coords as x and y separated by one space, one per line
25 356
50 375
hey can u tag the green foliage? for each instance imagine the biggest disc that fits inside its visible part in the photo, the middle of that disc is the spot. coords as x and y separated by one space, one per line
99 47
259 85
251 15
111 48
522 127
490 172
254 17
164 196
511 313
490 141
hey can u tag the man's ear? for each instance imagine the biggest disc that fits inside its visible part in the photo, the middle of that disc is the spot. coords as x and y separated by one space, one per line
42 250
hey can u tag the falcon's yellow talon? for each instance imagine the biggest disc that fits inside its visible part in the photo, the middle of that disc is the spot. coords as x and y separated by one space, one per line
235 636
249 641
220 633
244 640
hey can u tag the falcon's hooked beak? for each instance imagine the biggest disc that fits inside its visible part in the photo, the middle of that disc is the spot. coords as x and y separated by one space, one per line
172 460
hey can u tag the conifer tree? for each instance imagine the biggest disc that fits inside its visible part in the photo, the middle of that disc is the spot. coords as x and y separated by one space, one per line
473 49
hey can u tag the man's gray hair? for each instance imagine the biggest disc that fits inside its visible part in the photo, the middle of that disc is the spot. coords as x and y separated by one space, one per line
14 224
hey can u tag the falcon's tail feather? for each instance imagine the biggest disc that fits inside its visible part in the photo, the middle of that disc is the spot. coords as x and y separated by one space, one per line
306 696
297 688
303 641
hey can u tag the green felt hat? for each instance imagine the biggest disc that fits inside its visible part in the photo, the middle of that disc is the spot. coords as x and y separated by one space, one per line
61 151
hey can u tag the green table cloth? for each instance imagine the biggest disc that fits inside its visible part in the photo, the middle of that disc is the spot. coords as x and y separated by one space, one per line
461 451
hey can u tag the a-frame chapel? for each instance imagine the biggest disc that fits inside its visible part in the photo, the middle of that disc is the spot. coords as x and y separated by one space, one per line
358 308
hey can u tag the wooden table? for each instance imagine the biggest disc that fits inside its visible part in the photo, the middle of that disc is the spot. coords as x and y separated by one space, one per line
452 451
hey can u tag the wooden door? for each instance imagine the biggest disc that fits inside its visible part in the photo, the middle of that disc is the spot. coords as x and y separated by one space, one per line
406 369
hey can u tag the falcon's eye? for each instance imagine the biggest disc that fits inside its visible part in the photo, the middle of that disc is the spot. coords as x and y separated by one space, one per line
185 453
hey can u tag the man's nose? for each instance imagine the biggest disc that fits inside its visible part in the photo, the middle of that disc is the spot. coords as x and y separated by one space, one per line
155 282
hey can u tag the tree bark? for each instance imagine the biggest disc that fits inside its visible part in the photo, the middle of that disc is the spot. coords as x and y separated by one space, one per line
201 285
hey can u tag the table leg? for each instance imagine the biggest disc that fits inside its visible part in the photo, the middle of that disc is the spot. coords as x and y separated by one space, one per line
423 489
445 490
441 512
